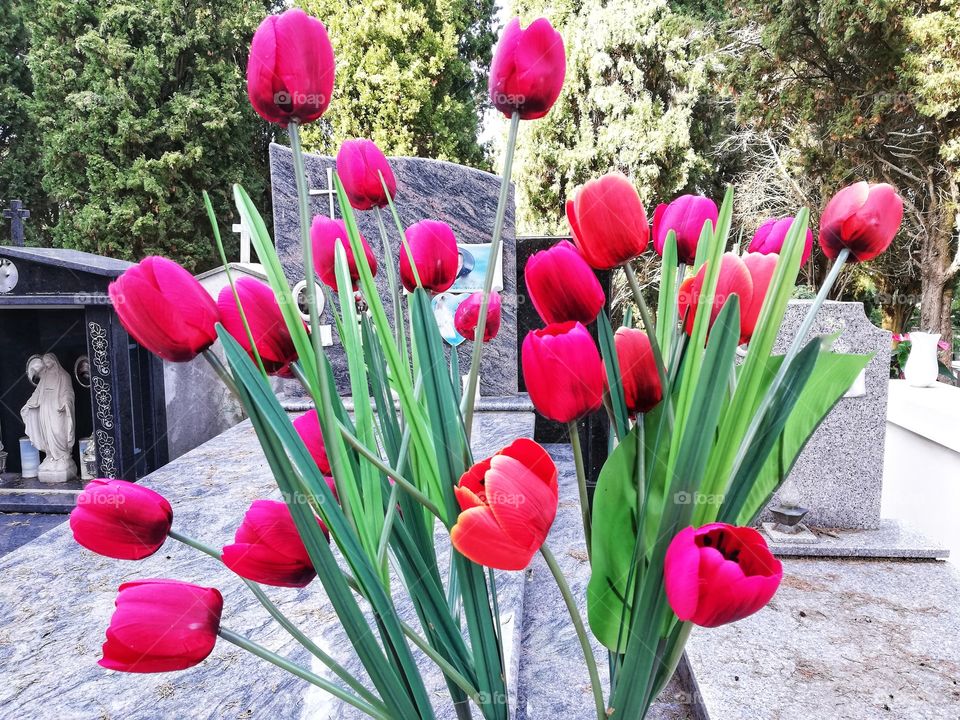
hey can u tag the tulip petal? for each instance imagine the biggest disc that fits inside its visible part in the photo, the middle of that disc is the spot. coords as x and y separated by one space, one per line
681 567
479 537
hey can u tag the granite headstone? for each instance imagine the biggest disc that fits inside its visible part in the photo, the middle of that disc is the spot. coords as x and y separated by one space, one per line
839 474
462 197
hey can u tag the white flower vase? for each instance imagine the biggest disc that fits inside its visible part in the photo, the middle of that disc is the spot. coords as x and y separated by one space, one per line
921 369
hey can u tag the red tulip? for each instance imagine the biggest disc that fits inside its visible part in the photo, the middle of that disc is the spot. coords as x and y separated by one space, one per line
761 269
770 236
608 222
435 254
308 428
734 279
324 234
563 371
290 70
267 547
161 625
360 164
468 316
638 370
528 68
270 333
508 503
562 286
719 574
119 519
686 216
165 309
864 218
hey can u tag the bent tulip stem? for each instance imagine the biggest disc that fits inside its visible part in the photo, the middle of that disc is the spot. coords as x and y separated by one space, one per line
581 483
579 627
284 664
471 394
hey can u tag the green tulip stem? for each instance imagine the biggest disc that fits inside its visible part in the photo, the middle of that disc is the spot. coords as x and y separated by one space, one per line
284 664
286 624
451 672
218 367
581 483
651 330
303 201
398 321
788 358
581 630
470 397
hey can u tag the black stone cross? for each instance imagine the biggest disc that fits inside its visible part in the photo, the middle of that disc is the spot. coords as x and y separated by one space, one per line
16 214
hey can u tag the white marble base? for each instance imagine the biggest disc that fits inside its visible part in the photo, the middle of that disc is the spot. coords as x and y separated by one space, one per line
58 474
801 535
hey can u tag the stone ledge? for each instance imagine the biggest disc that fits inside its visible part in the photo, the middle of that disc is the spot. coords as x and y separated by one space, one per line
892 540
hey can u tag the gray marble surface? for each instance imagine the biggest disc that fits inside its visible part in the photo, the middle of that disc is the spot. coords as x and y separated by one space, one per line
842 639
462 197
892 540
840 472
56 600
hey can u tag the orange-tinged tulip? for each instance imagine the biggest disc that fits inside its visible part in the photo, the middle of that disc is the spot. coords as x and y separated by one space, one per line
734 279
608 221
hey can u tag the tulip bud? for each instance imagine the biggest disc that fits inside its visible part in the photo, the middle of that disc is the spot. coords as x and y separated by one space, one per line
165 309
769 238
563 371
267 326
638 370
719 574
608 221
734 279
360 163
508 503
435 254
562 286
324 233
528 68
119 519
863 218
686 216
308 428
761 269
468 316
290 69
267 547
161 625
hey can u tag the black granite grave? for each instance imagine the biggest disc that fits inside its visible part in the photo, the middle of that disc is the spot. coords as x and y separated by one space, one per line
56 301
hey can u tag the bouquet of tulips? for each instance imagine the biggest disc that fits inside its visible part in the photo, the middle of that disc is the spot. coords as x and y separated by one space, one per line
707 422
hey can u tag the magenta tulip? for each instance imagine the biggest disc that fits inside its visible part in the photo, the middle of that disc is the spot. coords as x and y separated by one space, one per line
267 547
528 68
769 238
563 371
324 234
265 320
638 370
719 574
863 218
308 428
119 519
608 222
290 69
508 502
165 309
435 255
686 216
467 316
360 164
161 625
562 286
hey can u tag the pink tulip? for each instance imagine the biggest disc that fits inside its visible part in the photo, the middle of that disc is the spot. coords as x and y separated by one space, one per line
360 164
308 428
290 69
119 519
435 254
265 320
863 218
769 238
528 68
468 316
562 286
324 234
686 216
563 371
719 574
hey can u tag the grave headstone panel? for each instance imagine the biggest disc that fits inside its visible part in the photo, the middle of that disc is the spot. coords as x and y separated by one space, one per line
839 474
462 197
16 213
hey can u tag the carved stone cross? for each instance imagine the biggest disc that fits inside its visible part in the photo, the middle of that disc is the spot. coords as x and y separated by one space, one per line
16 214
